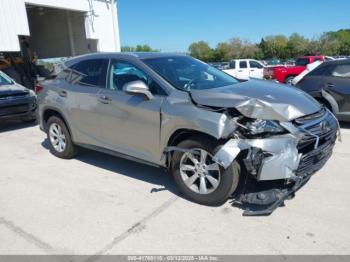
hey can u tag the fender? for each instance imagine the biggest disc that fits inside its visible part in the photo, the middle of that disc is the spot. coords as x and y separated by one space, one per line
45 108
331 101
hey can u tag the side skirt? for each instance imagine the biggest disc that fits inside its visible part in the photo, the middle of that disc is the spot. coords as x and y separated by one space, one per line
118 154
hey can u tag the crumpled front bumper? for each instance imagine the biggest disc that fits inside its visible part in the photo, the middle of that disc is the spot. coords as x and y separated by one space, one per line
280 156
284 156
279 166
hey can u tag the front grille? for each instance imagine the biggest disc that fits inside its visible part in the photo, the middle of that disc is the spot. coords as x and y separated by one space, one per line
13 95
320 134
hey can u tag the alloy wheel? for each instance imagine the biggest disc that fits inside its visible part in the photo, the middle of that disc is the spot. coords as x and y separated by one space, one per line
57 138
199 172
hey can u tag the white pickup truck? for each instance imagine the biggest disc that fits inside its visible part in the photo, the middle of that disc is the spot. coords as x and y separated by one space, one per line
245 69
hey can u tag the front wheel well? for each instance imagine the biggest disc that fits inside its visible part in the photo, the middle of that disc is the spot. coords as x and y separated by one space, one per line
184 134
324 102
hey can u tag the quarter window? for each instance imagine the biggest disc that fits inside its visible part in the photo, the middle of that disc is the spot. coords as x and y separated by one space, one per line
90 73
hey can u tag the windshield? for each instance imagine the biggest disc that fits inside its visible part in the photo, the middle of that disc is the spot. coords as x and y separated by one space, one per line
186 73
4 79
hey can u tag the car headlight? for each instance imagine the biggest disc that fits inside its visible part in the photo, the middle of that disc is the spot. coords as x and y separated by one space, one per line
259 126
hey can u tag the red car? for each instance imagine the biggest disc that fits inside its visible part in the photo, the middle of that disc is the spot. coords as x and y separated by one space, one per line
285 74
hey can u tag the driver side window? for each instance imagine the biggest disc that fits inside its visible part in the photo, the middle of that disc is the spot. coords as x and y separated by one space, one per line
122 73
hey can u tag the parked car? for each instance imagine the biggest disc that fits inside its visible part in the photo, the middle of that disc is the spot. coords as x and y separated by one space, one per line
286 74
216 135
220 65
273 62
16 101
329 83
245 69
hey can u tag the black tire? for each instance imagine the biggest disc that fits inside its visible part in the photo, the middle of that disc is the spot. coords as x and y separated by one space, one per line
325 104
229 177
70 150
289 80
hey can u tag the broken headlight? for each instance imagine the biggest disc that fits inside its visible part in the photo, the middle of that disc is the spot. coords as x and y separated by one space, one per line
259 127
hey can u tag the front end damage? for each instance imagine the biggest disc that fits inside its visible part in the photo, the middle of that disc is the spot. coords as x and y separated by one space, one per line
279 135
279 165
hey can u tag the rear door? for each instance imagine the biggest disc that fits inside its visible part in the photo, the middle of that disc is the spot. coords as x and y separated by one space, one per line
87 78
130 124
243 69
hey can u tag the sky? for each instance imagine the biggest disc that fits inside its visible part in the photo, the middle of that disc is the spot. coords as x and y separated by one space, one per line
172 25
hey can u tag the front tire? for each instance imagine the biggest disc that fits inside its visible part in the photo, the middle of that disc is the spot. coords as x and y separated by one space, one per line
60 141
201 179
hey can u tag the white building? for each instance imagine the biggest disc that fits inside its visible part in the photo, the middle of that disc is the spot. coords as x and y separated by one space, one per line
59 28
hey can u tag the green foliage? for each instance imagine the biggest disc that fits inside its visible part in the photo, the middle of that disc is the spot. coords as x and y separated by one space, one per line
202 51
274 46
138 48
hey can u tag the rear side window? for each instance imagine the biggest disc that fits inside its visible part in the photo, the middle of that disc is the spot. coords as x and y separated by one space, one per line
302 62
90 73
254 64
243 64
341 71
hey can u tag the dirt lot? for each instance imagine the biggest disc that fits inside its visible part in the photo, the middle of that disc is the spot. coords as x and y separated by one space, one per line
98 204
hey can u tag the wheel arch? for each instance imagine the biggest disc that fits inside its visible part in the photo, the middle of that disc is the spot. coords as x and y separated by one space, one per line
51 111
183 134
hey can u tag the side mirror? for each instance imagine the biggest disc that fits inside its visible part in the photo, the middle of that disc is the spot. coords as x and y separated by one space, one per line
138 87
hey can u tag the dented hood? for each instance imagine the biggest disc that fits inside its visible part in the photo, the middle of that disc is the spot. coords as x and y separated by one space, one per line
260 99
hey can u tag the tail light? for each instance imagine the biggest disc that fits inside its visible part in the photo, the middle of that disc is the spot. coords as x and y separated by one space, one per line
38 88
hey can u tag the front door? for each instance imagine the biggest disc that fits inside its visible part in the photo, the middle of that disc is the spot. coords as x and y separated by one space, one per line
130 124
256 69
338 85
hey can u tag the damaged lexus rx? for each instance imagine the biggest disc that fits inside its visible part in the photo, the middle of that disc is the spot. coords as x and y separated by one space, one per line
219 137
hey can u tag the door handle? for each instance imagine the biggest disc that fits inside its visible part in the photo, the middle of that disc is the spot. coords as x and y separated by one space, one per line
330 85
252 70
240 71
105 99
63 93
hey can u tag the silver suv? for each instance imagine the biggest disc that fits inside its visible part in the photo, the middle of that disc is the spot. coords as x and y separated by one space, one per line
217 135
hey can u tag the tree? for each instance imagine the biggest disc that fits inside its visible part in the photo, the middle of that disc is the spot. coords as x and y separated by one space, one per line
202 51
138 48
297 45
275 46
222 52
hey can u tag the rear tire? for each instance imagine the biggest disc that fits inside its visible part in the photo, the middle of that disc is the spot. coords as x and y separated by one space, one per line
289 80
225 181
60 141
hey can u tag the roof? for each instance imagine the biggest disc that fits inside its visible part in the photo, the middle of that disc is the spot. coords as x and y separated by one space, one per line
337 62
